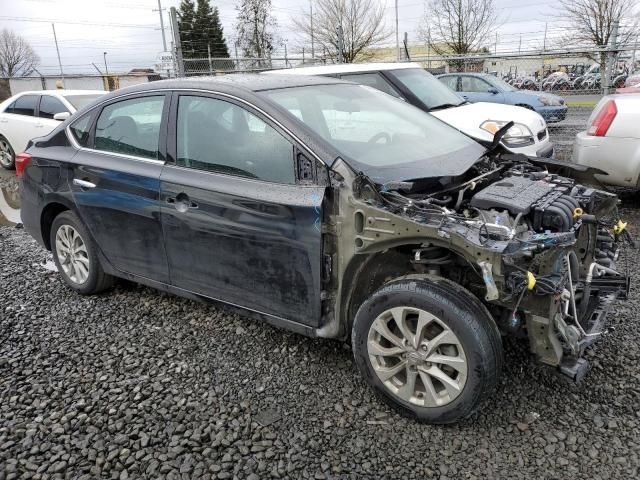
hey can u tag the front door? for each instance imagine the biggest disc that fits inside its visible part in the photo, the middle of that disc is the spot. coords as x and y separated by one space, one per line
239 226
115 182
476 89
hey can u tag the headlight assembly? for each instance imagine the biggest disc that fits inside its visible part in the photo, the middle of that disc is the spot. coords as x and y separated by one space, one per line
518 135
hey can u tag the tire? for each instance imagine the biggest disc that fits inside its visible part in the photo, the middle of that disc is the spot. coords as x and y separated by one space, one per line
438 305
7 154
84 274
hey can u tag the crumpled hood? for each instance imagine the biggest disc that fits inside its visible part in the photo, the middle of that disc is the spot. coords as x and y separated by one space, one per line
468 118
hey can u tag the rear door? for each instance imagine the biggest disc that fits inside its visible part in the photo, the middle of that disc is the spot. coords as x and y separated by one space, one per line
116 182
19 124
239 224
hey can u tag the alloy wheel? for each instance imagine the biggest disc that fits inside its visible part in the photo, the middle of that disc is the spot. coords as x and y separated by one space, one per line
6 154
72 254
417 357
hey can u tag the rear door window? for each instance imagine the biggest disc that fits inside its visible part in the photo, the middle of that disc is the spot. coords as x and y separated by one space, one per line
374 80
25 105
49 106
131 127
451 82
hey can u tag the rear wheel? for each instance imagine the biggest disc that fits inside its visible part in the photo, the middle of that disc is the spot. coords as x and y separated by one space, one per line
75 255
429 348
7 155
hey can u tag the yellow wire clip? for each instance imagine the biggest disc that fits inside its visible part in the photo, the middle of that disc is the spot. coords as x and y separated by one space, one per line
619 227
531 281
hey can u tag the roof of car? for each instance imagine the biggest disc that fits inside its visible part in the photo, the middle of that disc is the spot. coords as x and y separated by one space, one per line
472 74
62 92
237 81
343 68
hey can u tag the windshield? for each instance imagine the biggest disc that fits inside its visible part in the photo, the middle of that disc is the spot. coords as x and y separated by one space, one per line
501 84
385 137
427 88
82 100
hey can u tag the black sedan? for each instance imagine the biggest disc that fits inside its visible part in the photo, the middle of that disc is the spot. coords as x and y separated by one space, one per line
328 208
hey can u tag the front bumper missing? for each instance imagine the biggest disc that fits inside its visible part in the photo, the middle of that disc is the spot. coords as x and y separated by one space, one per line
605 291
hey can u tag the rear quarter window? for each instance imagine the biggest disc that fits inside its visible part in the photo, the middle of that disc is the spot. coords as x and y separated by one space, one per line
80 129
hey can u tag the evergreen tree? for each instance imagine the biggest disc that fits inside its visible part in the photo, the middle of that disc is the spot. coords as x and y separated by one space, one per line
186 19
200 29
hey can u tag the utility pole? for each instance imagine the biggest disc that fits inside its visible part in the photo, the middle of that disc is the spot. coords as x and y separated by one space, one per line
173 15
397 36
164 40
104 55
544 48
311 18
340 57
55 39
520 44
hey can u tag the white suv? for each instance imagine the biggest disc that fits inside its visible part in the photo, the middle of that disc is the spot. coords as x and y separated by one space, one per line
410 82
34 114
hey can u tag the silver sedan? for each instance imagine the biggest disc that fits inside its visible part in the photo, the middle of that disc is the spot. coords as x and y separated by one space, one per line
612 140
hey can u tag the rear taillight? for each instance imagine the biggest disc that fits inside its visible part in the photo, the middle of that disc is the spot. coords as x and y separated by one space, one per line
603 120
22 160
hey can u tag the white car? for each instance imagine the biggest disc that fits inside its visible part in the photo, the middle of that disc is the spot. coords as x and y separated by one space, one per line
410 82
612 140
33 114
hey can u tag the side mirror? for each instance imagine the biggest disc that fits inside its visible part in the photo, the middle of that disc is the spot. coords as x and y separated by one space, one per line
493 91
62 116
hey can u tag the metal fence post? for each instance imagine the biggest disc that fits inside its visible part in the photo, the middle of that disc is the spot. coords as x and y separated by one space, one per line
176 41
610 58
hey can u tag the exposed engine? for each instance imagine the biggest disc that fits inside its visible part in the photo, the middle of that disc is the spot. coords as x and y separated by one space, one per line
538 248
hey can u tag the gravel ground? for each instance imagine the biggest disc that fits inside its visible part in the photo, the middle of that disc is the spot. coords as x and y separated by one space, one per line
135 383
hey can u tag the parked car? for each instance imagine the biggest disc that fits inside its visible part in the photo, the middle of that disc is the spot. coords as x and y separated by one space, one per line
32 114
336 211
633 81
611 141
480 87
412 83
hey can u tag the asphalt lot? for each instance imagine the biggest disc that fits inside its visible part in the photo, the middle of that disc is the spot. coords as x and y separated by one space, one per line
138 384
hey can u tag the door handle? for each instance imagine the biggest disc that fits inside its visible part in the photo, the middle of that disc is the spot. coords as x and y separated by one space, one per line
182 202
83 183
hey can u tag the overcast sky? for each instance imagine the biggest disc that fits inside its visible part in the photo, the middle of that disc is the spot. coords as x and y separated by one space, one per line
129 31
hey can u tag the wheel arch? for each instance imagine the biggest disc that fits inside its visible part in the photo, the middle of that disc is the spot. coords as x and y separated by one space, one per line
368 273
48 215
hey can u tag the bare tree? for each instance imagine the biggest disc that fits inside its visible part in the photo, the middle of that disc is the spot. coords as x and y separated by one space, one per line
17 58
255 26
362 25
591 23
458 27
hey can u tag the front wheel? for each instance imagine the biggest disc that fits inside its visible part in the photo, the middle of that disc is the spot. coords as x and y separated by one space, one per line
429 348
75 255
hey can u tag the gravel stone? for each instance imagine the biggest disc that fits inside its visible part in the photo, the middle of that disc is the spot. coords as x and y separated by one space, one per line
135 383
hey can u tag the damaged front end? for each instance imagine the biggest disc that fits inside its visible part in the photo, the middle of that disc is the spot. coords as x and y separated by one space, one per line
537 248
